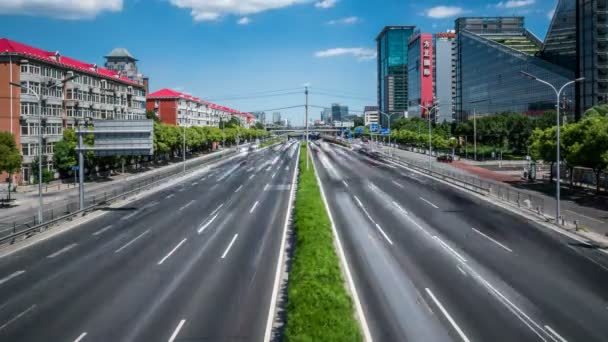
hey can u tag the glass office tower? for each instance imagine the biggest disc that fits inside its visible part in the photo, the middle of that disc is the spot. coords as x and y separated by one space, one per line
490 55
392 70
578 40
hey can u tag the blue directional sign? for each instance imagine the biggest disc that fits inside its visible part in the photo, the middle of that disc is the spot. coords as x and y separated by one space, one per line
373 127
75 168
385 131
359 130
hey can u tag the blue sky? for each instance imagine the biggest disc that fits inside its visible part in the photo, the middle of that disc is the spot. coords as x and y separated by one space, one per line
222 49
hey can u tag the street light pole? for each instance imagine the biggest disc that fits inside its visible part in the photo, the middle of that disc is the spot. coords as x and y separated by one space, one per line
428 111
38 96
184 148
388 117
475 132
558 94
306 118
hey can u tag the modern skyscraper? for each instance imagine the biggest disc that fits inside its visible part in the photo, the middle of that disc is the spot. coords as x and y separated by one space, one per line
326 115
338 112
260 116
490 55
577 40
444 78
392 69
276 118
420 73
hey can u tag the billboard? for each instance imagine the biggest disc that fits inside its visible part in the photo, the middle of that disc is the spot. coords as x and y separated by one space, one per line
123 138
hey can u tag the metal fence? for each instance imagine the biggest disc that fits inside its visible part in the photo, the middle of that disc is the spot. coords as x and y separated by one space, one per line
527 201
25 226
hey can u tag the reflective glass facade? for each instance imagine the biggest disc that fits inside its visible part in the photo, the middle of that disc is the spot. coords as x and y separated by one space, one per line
578 40
392 68
489 79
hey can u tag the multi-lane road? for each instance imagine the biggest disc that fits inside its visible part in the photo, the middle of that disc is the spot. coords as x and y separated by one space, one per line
193 262
431 263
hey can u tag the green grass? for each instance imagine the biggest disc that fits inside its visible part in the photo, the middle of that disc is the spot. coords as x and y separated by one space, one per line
271 141
318 306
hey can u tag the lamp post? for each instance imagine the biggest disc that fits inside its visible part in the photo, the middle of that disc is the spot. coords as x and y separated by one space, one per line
38 96
388 117
558 93
428 111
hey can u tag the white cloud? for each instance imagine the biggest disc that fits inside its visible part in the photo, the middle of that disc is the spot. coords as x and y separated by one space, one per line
515 3
362 54
244 21
439 12
209 10
345 21
550 14
326 3
63 9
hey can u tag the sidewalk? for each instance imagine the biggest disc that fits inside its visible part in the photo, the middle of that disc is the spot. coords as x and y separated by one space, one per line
589 210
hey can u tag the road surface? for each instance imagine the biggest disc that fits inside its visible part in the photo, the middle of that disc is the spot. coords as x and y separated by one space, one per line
431 263
195 262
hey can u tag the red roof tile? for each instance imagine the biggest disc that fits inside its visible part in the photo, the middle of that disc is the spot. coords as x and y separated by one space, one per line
172 94
11 46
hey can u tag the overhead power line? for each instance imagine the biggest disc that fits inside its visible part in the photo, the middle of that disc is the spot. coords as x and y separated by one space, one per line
220 97
342 96
255 96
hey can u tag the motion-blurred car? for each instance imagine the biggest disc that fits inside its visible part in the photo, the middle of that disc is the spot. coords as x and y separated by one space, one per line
446 158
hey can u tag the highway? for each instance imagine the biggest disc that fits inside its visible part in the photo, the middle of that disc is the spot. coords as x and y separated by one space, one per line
193 262
431 263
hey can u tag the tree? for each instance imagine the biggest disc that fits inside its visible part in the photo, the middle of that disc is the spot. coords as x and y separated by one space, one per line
10 157
544 147
259 125
359 121
150 115
232 123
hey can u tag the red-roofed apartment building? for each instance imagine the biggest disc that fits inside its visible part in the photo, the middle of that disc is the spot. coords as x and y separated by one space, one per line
95 93
180 109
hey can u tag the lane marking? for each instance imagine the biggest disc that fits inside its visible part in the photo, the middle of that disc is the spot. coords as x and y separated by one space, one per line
286 168
384 234
251 177
170 196
351 283
187 205
274 174
103 230
266 187
585 216
398 184
217 209
132 241
275 160
345 184
80 337
195 184
399 207
172 251
130 215
176 331
23 313
279 268
229 246
588 258
450 249
364 210
253 208
559 337
268 168
61 251
207 224
239 188
430 203
493 240
11 276
447 315
461 270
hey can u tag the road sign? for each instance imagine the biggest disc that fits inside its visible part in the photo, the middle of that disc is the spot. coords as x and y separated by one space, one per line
373 127
123 137
385 131
359 130
75 168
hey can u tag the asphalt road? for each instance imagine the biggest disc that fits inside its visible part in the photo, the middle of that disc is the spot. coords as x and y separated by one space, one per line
195 262
432 263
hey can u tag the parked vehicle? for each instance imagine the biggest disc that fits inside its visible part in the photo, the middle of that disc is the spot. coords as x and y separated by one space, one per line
446 158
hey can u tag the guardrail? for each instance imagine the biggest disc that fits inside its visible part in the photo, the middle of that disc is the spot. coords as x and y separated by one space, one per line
95 201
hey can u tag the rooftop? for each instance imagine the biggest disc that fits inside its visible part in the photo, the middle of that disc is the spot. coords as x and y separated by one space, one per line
8 46
172 94
120 52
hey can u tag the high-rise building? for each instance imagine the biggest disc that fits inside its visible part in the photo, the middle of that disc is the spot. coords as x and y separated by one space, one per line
443 75
490 55
420 74
260 117
370 115
392 45
326 115
338 112
276 118
577 40
92 93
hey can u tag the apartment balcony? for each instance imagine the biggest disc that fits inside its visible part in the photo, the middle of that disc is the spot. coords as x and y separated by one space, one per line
25 76
72 103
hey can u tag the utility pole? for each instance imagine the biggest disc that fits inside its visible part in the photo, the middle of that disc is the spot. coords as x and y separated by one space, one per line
306 118
475 132
81 167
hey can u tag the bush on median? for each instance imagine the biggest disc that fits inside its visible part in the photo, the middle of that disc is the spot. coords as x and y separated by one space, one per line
318 306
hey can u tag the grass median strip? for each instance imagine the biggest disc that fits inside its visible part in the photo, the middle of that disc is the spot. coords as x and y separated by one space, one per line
319 307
